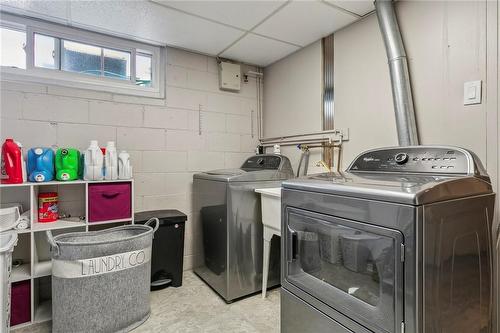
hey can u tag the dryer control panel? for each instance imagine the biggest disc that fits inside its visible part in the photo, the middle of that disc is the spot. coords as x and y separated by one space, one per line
418 159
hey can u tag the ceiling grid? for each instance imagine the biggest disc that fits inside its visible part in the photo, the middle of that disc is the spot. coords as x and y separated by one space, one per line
278 27
254 32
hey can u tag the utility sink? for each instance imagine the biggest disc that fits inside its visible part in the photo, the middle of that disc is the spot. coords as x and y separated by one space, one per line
270 199
271 207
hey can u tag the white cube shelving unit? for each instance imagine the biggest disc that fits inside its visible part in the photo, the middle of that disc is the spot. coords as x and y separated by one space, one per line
32 246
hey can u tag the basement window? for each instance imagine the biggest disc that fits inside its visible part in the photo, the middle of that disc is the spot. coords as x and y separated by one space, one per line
13 48
49 53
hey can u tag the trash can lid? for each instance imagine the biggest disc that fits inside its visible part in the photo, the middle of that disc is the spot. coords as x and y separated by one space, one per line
166 216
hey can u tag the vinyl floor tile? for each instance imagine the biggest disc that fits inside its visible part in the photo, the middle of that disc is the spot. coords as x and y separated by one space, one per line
195 307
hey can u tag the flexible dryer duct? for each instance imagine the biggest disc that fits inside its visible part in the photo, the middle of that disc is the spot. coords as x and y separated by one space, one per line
400 77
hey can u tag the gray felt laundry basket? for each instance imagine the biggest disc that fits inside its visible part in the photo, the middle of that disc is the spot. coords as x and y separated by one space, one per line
100 279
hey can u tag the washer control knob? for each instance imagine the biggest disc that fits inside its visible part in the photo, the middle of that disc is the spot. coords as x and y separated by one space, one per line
401 158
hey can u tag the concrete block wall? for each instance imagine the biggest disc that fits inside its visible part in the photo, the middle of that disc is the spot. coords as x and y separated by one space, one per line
161 135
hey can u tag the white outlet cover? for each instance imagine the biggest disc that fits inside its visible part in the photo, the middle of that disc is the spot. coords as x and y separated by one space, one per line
472 92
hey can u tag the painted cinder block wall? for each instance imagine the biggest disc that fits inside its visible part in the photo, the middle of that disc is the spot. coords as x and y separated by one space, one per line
161 135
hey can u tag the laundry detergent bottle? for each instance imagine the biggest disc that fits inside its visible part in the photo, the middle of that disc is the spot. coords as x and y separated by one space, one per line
67 161
12 163
124 166
93 162
111 161
40 164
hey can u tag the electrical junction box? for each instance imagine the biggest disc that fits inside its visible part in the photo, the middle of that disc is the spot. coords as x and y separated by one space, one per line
229 76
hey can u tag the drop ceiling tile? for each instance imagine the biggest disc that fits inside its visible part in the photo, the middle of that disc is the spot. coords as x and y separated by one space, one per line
53 10
356 6
151 22
303 22
258 50
240 14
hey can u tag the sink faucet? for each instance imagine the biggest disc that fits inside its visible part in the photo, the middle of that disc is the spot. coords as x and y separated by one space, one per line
324 165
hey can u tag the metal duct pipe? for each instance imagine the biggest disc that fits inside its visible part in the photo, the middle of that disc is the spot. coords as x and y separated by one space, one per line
400 77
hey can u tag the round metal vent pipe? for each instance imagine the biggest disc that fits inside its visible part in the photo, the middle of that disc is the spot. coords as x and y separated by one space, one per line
400 77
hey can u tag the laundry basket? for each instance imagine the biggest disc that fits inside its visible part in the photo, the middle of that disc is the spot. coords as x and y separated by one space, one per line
7 243
9 217
100 279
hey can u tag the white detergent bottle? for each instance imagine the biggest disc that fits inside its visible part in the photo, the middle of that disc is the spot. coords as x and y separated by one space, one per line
124 166
93 162
111 162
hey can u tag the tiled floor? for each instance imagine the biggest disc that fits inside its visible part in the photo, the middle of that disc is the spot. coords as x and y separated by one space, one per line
194 307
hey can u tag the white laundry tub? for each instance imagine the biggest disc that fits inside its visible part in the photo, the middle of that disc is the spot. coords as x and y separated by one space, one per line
270 199
271 207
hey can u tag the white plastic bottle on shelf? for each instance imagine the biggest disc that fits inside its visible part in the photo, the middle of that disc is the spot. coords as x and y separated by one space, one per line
111 162
124 166
93 162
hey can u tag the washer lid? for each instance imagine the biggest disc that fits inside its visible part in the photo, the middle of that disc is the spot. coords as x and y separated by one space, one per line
226 172
256 168
238 175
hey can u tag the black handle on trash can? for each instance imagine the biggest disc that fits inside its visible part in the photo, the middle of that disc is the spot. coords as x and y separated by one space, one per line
157 224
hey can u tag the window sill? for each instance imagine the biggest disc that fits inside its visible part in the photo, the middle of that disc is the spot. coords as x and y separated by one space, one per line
77 81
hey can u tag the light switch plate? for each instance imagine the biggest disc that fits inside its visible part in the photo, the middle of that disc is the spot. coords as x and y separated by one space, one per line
472 92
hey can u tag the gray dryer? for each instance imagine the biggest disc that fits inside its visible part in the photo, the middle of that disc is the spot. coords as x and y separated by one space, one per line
400 242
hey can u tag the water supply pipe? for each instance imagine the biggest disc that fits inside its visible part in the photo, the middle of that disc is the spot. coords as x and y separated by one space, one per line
400 78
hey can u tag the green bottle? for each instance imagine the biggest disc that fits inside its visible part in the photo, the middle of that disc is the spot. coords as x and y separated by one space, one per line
67 163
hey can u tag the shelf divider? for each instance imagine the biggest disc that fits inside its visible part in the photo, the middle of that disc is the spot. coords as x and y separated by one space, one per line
59 224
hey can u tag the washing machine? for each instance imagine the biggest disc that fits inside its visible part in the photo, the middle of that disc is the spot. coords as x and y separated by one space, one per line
228 225
400 242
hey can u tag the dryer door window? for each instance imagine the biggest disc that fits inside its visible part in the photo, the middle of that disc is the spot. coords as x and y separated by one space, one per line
353 267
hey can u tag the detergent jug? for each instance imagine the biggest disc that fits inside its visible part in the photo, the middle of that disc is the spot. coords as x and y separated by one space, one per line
67 161
40 164
93 162
110 161
124 167
12 163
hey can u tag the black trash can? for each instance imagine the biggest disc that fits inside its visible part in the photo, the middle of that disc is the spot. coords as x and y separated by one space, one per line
168 247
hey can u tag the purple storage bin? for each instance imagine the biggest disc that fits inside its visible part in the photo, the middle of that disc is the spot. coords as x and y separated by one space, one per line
20 311
110 201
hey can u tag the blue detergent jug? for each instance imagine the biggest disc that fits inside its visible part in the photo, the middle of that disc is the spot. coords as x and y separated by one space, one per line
40 165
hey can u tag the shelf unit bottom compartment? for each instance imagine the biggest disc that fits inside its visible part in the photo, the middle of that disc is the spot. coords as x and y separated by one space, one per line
42 299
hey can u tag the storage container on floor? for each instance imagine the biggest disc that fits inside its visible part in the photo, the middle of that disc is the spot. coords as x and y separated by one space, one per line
7 243
168 247
100 279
